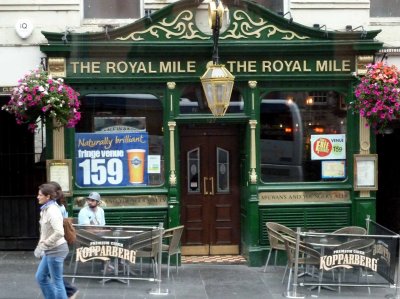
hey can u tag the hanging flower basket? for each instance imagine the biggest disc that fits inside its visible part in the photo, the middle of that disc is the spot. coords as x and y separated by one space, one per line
40 97
378 96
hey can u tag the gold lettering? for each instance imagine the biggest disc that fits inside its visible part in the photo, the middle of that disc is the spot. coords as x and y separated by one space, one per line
151 68
96 67
165 67
191 66
288 65
277 65
322 66
266 66
122 67
305 69
74 66
346 66
241 65
110 67
252 66
85 67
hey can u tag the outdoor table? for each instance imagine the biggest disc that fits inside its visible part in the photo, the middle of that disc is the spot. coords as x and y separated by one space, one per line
116 236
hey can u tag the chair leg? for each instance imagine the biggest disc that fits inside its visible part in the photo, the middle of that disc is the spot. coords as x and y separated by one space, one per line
289 279
284 273
176 260
75 269
276 257
72 255
266 263
169 258
321 273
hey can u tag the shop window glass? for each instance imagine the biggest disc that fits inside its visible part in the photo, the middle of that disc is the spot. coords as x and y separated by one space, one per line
193 101
193 169
123 113
223 170
385 9
302 137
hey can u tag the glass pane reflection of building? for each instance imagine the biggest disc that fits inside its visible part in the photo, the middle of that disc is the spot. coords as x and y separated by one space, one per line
287 121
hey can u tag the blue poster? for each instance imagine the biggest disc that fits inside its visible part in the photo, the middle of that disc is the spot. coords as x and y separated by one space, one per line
111 159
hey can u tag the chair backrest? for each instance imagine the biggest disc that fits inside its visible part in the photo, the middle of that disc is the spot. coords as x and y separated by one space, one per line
357 244
276 234
145 240
175 235
310 255
352 230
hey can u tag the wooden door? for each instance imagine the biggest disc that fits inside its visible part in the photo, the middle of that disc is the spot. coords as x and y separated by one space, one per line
210 190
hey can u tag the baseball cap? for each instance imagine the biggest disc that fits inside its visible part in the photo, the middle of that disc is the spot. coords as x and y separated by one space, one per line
94 195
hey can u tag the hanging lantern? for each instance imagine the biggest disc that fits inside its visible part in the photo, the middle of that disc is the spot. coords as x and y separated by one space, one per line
217 83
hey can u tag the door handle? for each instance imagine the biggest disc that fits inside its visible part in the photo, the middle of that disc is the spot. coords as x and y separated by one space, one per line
205 185
212 185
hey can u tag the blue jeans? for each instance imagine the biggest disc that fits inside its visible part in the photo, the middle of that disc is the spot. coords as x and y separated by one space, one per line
49 276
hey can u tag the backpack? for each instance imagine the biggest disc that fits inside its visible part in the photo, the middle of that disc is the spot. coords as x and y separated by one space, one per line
69 231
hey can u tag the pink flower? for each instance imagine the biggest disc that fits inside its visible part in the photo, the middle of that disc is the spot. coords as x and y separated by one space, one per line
38 96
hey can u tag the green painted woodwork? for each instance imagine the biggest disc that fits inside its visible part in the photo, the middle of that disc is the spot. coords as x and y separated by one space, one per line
314 217
134 217
362 207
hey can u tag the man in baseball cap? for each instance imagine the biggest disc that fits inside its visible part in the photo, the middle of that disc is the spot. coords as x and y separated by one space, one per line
91 213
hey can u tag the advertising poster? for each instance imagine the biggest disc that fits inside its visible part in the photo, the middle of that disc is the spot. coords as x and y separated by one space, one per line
111 159
328 147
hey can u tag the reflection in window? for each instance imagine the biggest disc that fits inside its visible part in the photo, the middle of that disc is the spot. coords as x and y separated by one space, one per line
193 171
222 170
287 122
123 113
193 101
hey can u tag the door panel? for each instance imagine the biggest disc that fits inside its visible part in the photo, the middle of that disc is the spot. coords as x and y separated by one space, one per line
210 190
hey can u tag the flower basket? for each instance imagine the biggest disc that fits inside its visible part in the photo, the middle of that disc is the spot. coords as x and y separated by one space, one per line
377 96
40 97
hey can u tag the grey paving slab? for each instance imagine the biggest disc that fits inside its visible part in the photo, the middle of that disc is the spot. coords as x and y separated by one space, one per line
17 281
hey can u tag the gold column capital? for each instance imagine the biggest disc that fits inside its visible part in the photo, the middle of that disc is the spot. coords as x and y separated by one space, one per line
171 125
57 67
171 85
362 62
252 123
253 84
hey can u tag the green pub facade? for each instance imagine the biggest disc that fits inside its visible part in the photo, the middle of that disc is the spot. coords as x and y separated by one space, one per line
148 143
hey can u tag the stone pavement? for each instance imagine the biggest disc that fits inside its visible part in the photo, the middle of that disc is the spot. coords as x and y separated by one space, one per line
193 281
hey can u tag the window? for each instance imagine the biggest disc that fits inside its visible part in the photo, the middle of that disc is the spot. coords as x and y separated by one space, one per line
385 9
291 123
132 113
274 5
193 169
113 9
193 101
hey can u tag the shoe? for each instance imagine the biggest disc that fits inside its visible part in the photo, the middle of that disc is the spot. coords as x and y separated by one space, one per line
74 295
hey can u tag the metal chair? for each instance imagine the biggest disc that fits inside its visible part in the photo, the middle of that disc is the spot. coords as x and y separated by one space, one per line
307 256
351 230
174 235
147 246
276 233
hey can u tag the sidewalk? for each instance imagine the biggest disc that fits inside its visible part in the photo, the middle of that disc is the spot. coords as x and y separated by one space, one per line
194 281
